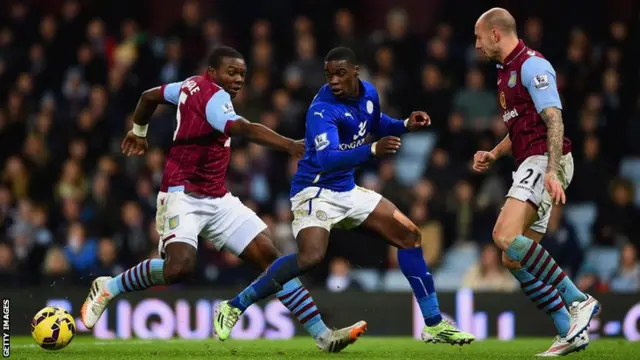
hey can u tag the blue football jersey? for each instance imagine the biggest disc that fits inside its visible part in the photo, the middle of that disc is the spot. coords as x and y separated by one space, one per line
335 138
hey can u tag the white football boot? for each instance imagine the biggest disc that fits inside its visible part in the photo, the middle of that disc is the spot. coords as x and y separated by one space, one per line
581 314
96 302
336 340
562 347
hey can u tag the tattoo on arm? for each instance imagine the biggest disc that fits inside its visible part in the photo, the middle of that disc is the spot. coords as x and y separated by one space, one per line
552 116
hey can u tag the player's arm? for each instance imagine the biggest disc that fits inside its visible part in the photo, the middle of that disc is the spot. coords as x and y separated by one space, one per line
503 148
222 116
135 142
539 78
149 101
323 127
389 126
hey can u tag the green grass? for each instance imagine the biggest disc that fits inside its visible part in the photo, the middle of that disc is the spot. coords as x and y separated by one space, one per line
303 348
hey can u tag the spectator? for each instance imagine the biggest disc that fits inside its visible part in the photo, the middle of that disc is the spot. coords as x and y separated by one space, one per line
340 279
488 274
627 279
617 223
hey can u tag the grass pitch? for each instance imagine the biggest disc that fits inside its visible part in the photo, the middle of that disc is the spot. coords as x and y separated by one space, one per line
303 348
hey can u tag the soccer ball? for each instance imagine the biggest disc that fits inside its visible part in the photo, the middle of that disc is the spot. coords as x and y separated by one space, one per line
53 328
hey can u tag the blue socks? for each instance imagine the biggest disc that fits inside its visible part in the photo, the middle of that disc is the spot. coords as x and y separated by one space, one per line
414 267
292 294
280 272
546 298
140 277
537 261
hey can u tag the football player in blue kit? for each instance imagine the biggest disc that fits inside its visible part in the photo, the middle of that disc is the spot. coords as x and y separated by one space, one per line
324 195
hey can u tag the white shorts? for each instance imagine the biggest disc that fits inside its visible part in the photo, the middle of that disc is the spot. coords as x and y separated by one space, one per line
316 207
225 221
528 185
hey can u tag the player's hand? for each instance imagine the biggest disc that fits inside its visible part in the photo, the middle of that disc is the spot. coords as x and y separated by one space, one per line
554 187
296 149
418 120
133 145
482 160
386 146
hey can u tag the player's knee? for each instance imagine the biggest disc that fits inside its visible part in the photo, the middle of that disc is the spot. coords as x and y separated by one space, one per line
502 236
411 239
509 263
261 251
179 266
309 259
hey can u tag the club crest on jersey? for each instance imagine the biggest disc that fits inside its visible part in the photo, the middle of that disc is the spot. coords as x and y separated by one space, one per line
369 107
174 222
512 79
503 100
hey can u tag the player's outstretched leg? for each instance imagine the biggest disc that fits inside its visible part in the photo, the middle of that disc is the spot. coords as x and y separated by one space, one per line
537 262
180 262
313 243
297 299
398 230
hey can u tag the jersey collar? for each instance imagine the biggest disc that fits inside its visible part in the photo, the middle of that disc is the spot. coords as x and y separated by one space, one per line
519 49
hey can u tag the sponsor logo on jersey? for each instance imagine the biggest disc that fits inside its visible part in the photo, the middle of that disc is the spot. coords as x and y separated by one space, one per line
509 114
513 79
358 138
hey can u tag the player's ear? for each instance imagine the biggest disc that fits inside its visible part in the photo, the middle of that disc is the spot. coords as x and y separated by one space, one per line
496 35
356 69
212 72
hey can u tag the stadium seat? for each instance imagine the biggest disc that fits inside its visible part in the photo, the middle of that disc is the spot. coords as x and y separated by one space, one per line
604 261
455 264
582 217
630 168
412 158
459 258
369 279
447 280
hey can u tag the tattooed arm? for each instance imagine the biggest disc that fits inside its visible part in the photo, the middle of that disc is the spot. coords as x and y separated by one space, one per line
552 116
539 78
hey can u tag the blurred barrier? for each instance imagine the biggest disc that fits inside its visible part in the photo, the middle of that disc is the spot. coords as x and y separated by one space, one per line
187 313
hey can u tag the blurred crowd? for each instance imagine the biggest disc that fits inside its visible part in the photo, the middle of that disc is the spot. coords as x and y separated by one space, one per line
72 208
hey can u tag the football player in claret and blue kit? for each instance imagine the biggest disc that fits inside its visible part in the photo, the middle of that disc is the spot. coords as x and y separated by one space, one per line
324 195
532 112
194 202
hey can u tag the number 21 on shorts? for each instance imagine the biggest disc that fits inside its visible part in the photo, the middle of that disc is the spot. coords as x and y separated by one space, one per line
526 179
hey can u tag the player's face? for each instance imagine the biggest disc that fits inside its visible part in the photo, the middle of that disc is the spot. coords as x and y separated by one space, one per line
342 77
486 41
230 75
